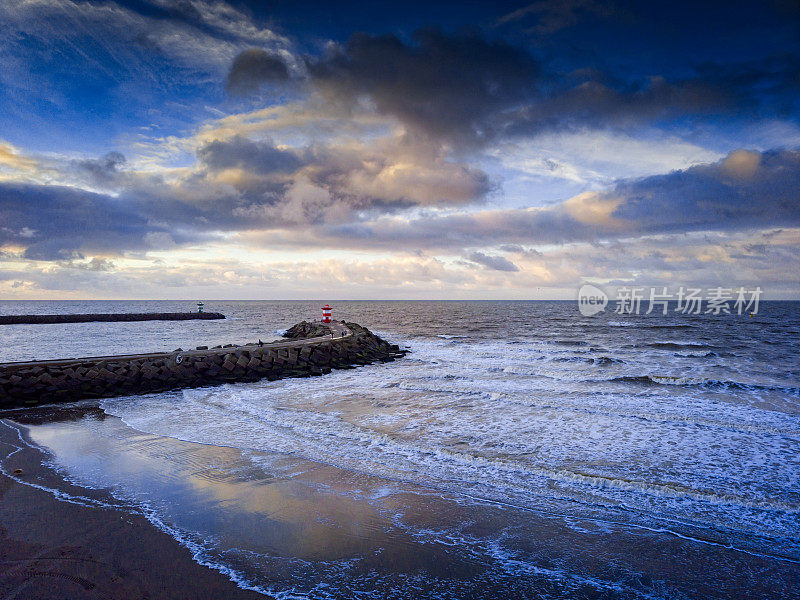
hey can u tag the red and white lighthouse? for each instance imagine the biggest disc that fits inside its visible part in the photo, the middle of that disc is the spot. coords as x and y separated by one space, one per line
326 314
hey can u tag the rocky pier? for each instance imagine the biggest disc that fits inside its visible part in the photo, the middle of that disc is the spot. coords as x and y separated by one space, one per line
106 317
310 349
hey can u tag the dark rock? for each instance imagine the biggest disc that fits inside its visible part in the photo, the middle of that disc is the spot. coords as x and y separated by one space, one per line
304 330
56 381
113 317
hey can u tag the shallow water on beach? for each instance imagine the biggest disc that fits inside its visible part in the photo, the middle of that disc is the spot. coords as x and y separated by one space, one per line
519 451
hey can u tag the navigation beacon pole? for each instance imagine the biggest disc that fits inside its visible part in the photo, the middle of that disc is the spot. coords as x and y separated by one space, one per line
326 317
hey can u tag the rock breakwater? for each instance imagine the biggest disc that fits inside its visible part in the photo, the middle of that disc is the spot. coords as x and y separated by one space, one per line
311 349
106 317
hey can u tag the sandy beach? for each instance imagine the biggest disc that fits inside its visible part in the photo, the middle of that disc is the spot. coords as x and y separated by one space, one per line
51 548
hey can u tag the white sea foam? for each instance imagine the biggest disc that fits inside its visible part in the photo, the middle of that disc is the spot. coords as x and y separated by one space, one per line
441 418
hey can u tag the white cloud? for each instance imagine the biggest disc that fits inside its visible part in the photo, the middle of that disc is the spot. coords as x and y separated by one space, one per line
595 158
206 34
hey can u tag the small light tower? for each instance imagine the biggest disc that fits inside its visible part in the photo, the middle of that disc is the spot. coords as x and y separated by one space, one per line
326 314
199 307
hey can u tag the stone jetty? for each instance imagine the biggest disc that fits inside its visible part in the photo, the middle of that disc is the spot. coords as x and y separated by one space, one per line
310 349
105 317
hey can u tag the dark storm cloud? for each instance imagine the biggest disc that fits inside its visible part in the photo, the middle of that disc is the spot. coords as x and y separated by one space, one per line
495 263
745 190
242 153
769 86
253 68
590 99
54 222
446 85
465 88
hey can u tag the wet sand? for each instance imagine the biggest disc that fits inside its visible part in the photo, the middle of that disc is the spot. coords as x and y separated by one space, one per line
52 549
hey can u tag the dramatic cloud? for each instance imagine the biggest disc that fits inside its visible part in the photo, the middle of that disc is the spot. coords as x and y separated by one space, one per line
451 86
241 153
317 197
53 222
192 145
465 89
238 184
253 68
745 191
320 183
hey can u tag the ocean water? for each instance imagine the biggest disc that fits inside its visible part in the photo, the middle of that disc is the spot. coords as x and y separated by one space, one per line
519 451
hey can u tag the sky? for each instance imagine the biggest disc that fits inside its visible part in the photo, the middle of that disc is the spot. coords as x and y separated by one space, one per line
420 150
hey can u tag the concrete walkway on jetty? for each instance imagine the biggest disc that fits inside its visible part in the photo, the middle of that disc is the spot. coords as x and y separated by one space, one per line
338 331
313 349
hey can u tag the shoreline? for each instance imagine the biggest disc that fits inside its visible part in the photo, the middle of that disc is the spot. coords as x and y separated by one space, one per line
51 548
300 518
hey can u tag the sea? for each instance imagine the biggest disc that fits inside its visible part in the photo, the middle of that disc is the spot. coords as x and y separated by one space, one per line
519 450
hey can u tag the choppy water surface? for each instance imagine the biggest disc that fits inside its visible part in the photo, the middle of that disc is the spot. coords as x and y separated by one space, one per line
520 450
